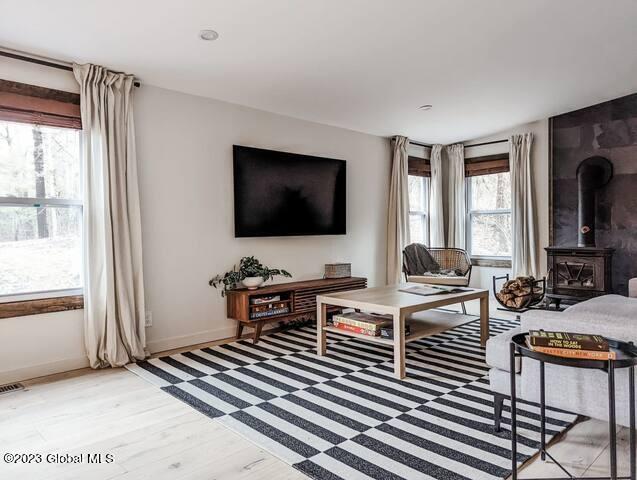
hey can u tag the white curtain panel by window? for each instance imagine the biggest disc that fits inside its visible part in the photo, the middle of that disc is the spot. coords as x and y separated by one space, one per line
457 202
398 211
113 274
524 255
436 213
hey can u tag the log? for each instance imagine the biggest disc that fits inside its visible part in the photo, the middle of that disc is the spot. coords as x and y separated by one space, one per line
519 292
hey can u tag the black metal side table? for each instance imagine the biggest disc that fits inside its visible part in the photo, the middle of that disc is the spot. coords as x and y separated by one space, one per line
626 358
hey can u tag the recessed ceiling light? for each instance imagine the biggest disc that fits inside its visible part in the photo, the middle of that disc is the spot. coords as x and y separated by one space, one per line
425 107
208 35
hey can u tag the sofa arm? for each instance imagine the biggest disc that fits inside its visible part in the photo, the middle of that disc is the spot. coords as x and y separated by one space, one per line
632 287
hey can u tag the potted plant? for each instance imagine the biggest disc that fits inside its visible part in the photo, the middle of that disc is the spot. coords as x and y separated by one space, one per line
252 273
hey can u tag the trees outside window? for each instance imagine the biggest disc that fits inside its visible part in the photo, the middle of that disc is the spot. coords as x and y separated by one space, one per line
40 209
489 232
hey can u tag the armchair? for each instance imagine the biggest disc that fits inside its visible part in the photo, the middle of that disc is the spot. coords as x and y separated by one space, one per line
438 266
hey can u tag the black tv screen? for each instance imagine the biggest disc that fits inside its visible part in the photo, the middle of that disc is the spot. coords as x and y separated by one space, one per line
282 194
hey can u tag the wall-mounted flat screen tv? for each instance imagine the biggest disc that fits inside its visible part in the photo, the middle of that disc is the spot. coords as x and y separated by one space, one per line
283 194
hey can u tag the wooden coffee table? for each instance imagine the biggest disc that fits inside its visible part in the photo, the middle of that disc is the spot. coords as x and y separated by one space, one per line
402 306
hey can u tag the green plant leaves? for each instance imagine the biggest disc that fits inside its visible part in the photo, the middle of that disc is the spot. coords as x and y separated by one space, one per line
248 267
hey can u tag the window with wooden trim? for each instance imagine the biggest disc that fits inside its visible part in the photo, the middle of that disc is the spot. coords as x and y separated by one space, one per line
40 195
489 233
419 173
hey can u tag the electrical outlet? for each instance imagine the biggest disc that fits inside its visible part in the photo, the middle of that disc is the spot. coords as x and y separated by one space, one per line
149 318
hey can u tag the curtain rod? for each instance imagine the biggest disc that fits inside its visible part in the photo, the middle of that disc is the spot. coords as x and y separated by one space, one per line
40 60
420 144
486 143
426 145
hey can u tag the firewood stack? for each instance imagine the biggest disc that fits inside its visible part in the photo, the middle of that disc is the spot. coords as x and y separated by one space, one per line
519 293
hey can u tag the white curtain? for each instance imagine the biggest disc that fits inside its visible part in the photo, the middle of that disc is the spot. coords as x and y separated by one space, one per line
436 212
457 201
113 278
398 211
524 255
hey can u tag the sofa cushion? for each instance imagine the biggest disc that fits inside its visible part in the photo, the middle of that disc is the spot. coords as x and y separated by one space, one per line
615 305
499 351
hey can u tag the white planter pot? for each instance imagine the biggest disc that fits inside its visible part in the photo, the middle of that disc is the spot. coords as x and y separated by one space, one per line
252 283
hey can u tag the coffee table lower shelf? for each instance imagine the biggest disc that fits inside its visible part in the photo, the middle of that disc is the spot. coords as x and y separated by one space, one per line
419 329
424 324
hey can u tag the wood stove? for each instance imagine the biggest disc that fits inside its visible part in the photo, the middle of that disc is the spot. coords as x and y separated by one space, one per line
583 272
578 273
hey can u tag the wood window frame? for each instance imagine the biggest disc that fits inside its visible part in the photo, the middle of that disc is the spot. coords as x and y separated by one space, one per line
418 167
486 165
24 103
20 308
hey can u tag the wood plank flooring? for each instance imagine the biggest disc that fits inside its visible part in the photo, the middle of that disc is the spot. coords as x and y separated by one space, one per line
152 436
149 434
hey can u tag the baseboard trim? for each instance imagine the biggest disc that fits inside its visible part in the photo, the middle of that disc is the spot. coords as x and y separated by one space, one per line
170 343
43 369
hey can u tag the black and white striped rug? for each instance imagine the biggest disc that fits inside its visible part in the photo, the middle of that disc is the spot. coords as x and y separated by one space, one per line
345 416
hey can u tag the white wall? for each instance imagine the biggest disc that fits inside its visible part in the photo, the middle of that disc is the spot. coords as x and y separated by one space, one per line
37 345
185 154
185 162
540 168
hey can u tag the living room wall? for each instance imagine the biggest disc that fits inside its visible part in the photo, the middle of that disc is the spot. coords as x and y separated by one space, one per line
185 155
185 163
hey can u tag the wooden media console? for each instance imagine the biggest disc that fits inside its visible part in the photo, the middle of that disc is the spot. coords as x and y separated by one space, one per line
283 302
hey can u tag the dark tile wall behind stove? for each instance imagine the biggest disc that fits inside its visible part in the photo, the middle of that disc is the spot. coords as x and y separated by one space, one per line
609 130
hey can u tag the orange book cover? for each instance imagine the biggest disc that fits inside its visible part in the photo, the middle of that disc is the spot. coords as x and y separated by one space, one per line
583 354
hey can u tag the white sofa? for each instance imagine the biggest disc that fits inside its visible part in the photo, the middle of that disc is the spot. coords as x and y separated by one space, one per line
576 390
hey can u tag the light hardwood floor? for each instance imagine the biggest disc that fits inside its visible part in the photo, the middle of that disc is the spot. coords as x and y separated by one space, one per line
153 436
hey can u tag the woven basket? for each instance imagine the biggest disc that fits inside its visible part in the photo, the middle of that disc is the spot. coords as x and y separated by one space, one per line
338 270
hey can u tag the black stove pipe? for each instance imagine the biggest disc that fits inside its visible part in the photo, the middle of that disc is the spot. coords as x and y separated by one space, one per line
592 174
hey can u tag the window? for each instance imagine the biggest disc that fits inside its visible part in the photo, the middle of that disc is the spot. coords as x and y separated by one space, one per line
418 209
489 221
40 209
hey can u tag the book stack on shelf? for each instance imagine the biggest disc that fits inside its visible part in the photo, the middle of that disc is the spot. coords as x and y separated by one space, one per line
370 324
268 306
570 345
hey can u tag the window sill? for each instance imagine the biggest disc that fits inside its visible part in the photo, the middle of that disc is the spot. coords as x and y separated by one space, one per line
493 262
22 308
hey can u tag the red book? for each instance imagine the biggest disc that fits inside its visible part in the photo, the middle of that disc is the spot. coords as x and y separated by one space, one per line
355 329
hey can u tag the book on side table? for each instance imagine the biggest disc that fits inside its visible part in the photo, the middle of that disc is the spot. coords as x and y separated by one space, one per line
570 345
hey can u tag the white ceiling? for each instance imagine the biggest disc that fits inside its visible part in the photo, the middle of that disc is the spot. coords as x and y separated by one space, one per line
365 65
